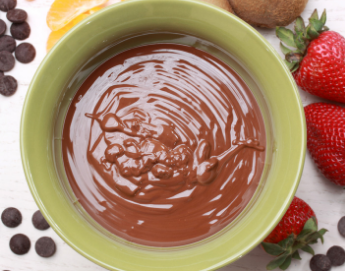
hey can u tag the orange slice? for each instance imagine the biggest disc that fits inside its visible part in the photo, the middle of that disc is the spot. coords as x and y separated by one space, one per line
56 35
64 11
93 10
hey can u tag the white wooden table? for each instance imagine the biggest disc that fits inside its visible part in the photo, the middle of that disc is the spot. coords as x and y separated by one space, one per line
327 200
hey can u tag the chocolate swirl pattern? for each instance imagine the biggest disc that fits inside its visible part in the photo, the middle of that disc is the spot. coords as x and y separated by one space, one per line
164 145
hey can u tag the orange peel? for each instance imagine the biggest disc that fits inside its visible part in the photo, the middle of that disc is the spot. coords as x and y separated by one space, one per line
62 12
56 35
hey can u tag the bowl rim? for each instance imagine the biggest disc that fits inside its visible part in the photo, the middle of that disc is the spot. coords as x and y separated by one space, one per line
33 185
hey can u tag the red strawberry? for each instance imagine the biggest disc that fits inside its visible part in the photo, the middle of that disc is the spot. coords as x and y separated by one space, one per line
322 69
296 230
326 139
318 60
292 222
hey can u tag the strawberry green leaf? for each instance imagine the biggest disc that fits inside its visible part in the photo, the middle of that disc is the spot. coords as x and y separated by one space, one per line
306 41
322 233
311 224
295 68
323 18
297 245
296 256
325 28
277 262
291 66
294 57
273 249
286 36
300 25
317 24
301 39
312 33
314 236
314 15
300 43
286 263
303 234
308 249
284 49
287 242
307 31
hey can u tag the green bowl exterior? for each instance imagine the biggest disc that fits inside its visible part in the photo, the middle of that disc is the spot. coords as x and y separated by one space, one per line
210 23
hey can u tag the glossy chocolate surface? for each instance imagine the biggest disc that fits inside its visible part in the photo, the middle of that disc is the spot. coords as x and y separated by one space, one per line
164 145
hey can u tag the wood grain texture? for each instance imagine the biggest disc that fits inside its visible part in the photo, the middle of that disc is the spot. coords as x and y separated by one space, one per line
326 199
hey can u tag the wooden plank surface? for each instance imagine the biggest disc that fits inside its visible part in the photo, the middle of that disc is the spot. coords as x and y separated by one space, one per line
326 199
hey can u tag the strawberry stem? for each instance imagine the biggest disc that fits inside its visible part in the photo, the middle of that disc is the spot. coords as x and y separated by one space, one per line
288 248
300 39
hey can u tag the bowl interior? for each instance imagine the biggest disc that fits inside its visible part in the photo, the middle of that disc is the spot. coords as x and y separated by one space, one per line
128 25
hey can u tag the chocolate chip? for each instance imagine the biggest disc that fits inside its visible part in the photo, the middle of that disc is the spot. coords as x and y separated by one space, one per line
3 27
25 52
337 255
17 15
20 31
8 85
6 5
39 222
7 43
20 244
341 226
1 74
11 217
6 61
45 247
320 262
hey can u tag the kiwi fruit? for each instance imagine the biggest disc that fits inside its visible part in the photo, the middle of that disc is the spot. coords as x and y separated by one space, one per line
268 13
220 3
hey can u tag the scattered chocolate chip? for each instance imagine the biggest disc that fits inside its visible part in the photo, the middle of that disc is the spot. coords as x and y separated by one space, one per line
3 27
25 52
17 15
337 255
320 262
6 5
7 43
11 217
20 31
20 244
39 222
341 226
8 85
45 247
6 61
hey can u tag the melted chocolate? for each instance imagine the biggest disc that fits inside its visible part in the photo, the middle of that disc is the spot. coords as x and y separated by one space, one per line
164 145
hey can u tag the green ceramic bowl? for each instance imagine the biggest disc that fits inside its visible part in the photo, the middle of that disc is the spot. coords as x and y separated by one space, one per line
130 24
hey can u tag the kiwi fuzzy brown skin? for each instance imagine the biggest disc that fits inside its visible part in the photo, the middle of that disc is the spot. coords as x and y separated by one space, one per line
220 3
268 13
